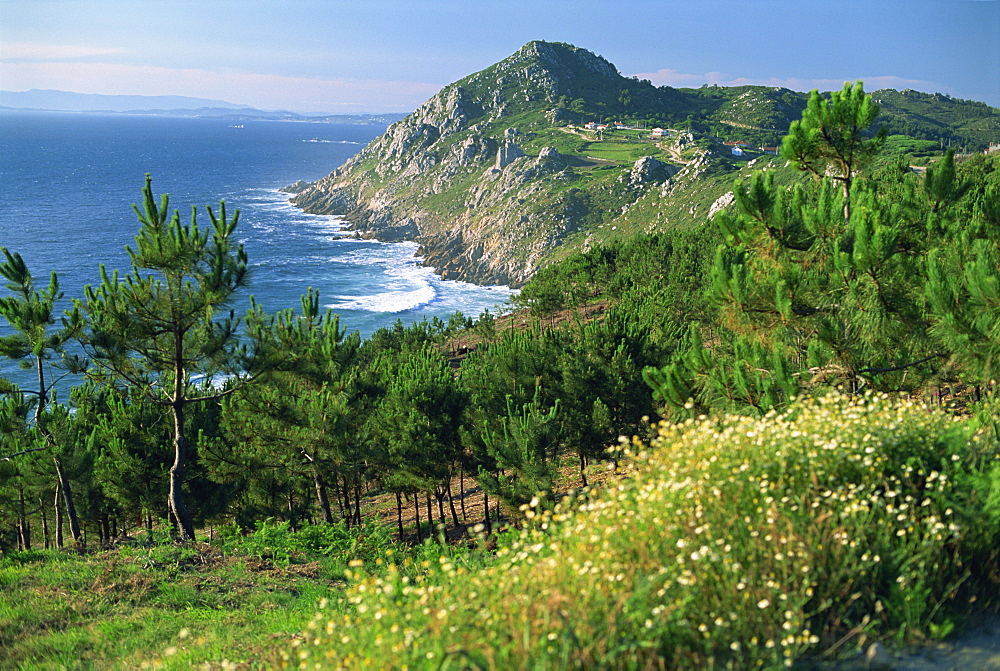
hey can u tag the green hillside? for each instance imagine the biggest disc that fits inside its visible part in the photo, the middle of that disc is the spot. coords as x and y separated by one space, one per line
742 413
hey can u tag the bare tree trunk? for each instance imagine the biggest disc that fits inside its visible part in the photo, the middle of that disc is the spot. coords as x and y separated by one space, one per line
23 526
67 490
178 509
416 510
336 493
45 523
357 504
58 516
345 493
292 517
583 468
439 495
430 514
451 504
399 514
321 496
67 494
486 511
461 491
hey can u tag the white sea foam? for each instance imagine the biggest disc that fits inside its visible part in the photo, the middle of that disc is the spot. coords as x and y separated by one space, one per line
316 139
406 284
390 301
393 281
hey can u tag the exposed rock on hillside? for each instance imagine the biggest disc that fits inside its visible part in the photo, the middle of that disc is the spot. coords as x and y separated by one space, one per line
457 178
492 182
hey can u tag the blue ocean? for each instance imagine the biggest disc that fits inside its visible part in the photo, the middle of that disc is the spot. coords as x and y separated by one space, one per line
68 182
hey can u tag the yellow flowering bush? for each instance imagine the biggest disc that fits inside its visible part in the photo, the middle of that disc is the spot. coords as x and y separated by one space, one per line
733 543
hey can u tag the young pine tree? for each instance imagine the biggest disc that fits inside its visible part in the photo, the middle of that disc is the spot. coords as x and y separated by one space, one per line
164 325
29 311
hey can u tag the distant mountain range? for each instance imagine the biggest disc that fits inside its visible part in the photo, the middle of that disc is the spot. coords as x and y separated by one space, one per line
68 101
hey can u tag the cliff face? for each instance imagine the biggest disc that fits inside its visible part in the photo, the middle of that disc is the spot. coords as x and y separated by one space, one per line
495 174
461 177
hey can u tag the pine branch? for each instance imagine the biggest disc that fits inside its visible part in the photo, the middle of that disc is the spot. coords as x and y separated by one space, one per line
23 452
904 366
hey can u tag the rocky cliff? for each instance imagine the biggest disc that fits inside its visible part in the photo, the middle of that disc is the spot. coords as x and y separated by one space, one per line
498 172
464 175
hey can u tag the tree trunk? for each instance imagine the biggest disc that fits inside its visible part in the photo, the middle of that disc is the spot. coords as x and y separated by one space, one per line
430 514
399 514
345 494
45 523
357 504
583 468
175 500
439 495
451 504
321 496
416 510
67 494
23 526
336 493
67 490
461 491
58 515
486 512
292 517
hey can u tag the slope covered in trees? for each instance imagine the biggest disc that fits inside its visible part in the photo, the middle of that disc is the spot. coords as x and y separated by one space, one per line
861 276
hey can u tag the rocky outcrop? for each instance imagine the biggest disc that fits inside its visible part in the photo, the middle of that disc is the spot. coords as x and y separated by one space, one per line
648 170
724 201
458 179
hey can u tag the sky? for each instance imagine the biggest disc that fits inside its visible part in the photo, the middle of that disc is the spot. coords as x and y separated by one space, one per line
371 56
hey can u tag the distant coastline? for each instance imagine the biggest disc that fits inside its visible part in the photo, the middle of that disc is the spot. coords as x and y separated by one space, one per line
171 106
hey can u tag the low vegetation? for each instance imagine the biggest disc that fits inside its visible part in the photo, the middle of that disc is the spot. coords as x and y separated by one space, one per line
734 542
824 355
728 542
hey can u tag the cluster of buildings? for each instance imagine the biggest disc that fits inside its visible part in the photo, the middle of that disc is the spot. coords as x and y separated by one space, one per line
617 125
739 147
593 125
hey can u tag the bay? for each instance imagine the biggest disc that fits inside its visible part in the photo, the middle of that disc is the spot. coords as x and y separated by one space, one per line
68 182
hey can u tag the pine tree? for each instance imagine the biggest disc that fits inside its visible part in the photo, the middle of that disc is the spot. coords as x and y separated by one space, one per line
418 420
159 328
30 311
963 288
524 449
816 285
296 421
830 139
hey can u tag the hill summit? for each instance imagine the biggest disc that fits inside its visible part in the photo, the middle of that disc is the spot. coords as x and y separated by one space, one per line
551 150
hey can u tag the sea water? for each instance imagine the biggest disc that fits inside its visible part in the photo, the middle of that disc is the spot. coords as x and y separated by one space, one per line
68 182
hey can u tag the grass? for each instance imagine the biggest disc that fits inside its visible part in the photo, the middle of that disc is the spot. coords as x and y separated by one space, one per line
159 603
730 542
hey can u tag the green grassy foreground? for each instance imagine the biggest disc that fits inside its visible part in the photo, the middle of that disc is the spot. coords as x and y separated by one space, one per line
732 543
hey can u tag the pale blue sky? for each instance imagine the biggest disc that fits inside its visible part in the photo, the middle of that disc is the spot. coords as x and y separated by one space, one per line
391 55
